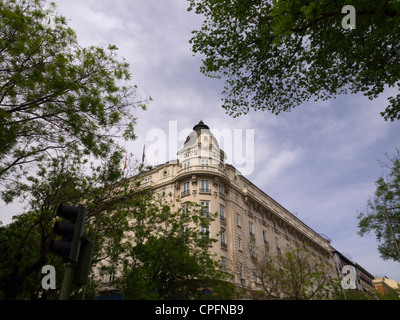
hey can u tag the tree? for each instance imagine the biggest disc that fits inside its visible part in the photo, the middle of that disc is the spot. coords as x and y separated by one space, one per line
374 219
24 244
275 55
296 274
169 256
56 97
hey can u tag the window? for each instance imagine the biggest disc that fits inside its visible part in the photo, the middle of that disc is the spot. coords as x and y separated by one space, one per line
223 263
239 243
205 208
205 185
240 270
186 188
252 251
185 208
277 244
255 276
110 277
186 164
248 208
221 190
251 229
223 239
265 236
263 219
275 227
205 162
238 219
205 231
266 253
222 213
185 234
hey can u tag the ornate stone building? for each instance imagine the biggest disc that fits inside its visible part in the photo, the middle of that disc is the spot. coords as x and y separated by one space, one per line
248 217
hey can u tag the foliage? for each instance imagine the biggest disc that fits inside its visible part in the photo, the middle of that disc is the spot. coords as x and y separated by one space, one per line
389 294
353 294
373 219
296 274
24 243
56 97
153 244
276 55
169 256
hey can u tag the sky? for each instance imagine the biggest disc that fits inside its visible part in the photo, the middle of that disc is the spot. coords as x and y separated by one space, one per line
319 161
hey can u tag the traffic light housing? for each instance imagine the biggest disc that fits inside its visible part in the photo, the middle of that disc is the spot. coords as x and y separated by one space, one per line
71 232
82 269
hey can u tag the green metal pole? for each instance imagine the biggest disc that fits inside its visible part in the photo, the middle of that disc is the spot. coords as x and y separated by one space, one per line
66 286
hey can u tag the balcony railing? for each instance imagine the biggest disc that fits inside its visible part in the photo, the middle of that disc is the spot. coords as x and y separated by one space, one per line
210 168
185 193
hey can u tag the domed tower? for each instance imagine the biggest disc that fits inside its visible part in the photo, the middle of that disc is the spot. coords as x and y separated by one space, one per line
201 148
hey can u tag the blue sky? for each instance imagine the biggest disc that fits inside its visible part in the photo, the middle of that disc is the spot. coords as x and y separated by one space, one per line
319 161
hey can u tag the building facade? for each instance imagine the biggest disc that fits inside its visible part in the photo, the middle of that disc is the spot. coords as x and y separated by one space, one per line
248 217
363 279
386 286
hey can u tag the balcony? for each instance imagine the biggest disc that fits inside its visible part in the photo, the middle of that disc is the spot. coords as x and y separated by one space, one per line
222 219
200 169
185 193
205 191
224 246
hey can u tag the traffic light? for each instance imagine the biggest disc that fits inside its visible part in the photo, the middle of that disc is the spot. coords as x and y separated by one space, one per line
82 269
75 249
71 232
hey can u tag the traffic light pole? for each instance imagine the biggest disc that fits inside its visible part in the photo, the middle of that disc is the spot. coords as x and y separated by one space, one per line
75 249
66 286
